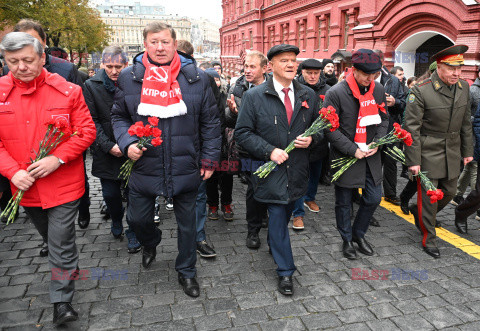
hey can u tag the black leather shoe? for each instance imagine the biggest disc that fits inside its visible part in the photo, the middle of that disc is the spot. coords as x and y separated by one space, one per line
461 226
404 207
363 246
148 256
63 312
253 240
349 250
83 220
393 200
204 249
432 251
285 285
44 250
414 211
374 222
190 286
438 224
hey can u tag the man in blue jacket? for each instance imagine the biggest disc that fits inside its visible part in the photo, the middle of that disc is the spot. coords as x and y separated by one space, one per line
167 84
270 117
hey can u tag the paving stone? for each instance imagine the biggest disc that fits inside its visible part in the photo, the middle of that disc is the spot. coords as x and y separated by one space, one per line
433 301
20 318
355 315
406 292
183 325
286 310
254 300
212 322
221 305
158 299
10 292
293 323
110 321
350 301
151 315
464 313
376 297
115 306
321 321
245 317
441 318
186 310
412 322
384 310
380 325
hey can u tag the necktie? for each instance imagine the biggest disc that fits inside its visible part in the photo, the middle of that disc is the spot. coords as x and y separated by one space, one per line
288 104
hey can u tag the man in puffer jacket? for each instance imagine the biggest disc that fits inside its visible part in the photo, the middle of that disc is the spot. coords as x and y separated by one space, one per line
167 84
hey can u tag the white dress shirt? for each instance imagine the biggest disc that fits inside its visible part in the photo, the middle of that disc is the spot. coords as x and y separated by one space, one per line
279 87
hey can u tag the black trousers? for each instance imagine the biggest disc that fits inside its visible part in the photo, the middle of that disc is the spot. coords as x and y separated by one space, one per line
255 211
471 203
389 174
140 213
409 190
226 186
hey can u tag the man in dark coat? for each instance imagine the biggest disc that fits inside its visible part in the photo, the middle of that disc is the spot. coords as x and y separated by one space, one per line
396 105
310 76
328 72
255 68
107 156
271 116
191 135
438 117
352 140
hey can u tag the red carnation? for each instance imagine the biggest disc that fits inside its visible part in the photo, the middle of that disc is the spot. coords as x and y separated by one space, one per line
139 131
61 123
439 194
408 139
305 104
322 97
156 132
157 141
78 132
153 121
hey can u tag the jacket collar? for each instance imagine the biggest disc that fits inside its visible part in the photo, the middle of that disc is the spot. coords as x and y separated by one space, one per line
440 86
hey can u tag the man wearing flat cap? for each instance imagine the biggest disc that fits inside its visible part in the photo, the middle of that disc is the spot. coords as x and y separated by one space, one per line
310 76
270 117
438 117
359 101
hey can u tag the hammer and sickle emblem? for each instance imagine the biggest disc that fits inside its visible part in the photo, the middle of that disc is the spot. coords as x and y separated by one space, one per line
158 75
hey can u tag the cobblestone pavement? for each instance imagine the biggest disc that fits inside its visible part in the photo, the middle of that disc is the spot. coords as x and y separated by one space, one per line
238 287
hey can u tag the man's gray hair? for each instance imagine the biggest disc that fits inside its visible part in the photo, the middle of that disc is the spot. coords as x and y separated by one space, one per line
110 53
15 41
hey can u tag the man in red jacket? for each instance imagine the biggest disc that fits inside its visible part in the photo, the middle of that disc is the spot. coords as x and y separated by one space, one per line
29 97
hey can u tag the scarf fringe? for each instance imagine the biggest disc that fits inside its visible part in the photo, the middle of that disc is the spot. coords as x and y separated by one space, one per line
172 110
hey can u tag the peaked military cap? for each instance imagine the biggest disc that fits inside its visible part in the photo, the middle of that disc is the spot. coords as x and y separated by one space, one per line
452 56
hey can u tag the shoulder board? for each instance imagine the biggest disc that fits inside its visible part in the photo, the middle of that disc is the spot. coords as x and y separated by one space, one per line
424 82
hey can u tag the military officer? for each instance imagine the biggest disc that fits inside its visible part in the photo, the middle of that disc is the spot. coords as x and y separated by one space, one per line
438 117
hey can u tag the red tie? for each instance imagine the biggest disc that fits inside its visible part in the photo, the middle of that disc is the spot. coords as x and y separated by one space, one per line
288 104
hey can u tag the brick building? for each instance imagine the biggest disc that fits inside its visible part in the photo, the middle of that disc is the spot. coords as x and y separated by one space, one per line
407 31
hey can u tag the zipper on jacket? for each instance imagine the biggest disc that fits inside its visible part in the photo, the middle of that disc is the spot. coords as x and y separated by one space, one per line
278 135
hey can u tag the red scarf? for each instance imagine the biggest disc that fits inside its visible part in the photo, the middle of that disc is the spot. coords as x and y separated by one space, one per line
161 95
368 113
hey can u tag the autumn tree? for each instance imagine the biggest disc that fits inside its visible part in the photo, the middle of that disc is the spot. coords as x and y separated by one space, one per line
71 24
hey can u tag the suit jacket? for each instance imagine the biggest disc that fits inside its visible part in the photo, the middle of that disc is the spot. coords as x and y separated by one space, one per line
439 121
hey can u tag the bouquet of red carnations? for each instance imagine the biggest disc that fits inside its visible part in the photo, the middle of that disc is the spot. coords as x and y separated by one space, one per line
148 135
328 119
58 131
434 193
396 135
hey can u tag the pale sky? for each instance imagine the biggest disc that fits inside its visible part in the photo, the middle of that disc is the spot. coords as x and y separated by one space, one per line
210 9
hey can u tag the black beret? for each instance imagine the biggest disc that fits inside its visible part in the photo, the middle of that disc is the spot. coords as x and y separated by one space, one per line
311 64
282 48
326 61
367 61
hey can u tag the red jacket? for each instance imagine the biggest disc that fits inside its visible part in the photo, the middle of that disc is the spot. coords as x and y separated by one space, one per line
24 110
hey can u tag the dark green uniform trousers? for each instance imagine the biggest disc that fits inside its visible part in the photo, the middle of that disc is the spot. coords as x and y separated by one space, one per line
430 210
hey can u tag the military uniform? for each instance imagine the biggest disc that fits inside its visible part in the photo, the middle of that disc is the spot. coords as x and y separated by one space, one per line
438 117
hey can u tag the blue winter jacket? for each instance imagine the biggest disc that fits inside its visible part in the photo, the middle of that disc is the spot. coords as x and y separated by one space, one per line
173 167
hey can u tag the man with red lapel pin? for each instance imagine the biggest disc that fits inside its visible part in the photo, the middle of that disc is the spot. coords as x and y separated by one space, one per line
167 84
438 117
359 101
273 114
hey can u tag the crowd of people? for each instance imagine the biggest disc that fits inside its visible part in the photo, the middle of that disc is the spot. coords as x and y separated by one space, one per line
215 128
